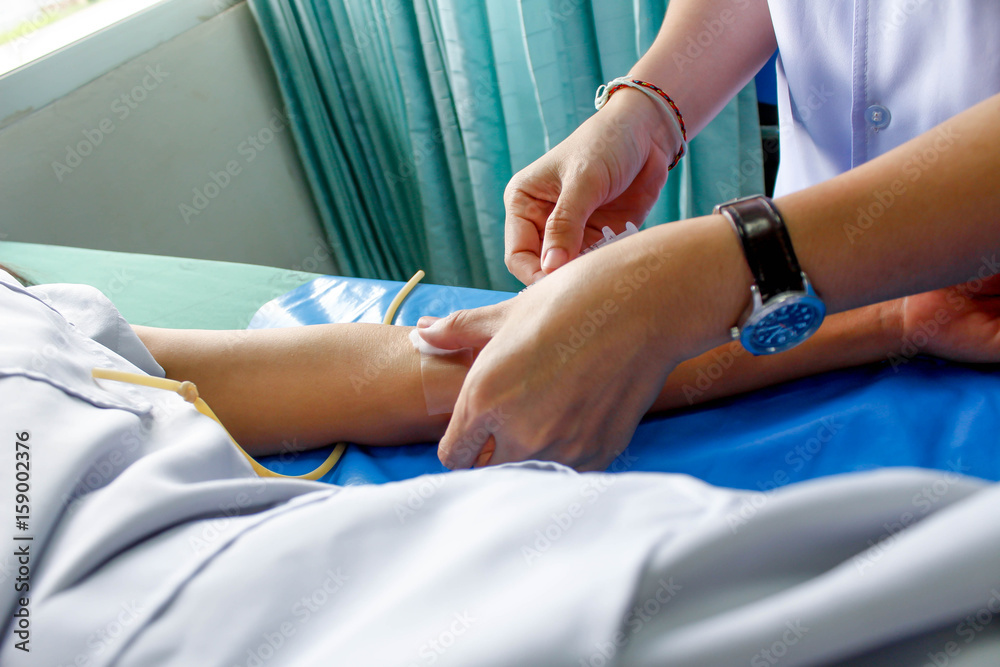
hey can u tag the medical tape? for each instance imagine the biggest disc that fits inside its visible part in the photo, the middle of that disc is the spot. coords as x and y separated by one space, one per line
441 373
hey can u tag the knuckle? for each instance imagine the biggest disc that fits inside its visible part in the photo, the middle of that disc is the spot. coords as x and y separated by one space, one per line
511 192
456 321
560 222
517 268
515 188
533 210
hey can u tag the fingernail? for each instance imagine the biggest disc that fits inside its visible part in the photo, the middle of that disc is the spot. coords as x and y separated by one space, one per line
426 321
554 258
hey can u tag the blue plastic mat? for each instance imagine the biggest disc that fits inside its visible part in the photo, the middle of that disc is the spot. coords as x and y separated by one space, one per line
926 413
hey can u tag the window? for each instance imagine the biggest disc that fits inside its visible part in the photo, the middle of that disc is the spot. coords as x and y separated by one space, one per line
49 48
30 29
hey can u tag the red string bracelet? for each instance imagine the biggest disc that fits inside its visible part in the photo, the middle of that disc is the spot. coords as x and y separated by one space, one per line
605 92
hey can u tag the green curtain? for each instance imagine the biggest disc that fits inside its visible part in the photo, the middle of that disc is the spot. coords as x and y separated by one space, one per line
411 115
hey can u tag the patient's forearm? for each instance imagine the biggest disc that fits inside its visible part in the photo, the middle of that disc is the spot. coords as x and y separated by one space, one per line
303 387
850 338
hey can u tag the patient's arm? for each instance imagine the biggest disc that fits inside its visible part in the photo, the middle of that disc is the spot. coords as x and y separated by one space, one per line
304 387
846 339
307 386
960 323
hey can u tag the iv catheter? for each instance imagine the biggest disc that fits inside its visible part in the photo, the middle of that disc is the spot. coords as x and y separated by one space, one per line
609 238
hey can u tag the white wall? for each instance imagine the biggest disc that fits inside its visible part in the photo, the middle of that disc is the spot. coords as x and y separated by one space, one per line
182 151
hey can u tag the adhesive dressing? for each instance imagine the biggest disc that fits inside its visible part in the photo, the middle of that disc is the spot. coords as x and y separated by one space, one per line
441 372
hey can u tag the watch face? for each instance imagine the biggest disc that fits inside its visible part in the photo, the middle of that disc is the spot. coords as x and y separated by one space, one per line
785 325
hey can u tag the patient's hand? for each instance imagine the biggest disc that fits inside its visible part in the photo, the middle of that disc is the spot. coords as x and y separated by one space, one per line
960 323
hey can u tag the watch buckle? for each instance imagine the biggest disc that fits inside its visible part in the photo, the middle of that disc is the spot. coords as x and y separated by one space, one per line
756 302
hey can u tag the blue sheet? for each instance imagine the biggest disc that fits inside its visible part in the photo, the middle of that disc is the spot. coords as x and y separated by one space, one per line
925 413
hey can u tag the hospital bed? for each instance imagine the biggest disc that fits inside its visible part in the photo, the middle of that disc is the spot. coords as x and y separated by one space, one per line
924 412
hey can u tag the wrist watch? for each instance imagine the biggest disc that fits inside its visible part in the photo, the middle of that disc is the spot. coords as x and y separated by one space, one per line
784 308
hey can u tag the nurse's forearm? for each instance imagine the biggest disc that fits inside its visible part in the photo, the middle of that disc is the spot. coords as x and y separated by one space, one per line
308 386
923 216
705 52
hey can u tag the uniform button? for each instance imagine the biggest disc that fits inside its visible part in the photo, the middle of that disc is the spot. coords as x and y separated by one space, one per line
878 116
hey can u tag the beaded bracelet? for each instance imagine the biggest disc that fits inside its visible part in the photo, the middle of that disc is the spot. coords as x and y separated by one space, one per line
604 93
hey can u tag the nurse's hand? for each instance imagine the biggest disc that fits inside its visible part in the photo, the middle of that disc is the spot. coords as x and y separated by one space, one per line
608 172
960 323
569 367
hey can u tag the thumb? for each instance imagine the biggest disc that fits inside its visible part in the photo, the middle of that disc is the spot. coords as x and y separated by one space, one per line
564 227
463 328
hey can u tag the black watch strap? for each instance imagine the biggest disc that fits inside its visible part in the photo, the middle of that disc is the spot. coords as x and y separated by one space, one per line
766 245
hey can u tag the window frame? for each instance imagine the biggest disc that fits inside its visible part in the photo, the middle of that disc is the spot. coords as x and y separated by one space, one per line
40 82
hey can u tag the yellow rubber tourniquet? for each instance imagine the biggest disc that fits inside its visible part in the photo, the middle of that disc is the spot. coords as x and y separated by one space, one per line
189 392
